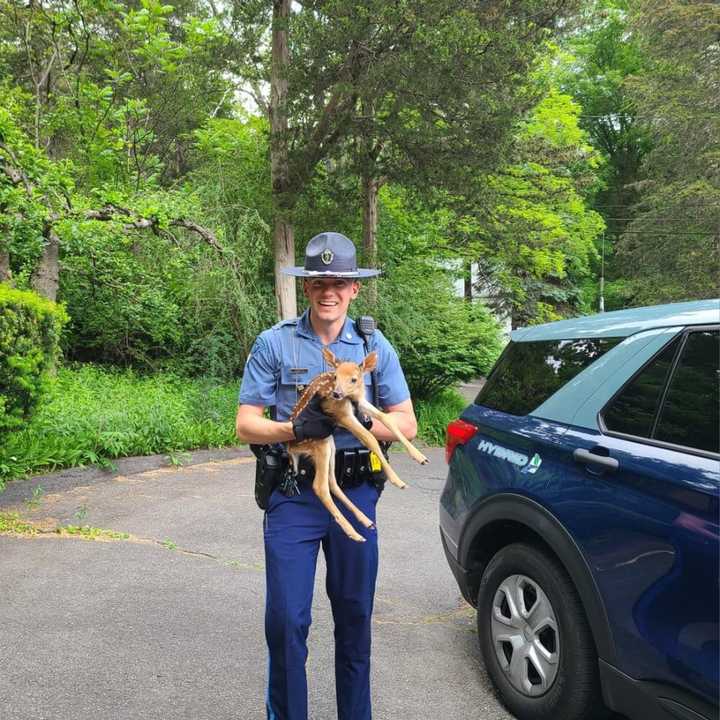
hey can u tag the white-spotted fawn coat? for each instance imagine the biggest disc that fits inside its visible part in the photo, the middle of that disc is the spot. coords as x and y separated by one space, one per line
338 389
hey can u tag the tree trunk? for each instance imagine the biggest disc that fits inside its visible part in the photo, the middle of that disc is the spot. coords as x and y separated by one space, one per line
5 274
283 236
369 247
45 281
284 243
467 281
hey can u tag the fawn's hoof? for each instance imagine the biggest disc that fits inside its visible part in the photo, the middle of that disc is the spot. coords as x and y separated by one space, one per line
349 530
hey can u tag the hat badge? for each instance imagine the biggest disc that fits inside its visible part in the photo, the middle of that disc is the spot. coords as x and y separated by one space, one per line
327 256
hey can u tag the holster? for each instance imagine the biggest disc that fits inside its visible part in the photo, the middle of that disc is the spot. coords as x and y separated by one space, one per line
272 462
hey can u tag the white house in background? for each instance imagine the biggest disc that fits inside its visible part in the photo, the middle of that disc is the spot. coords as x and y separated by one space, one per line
484 293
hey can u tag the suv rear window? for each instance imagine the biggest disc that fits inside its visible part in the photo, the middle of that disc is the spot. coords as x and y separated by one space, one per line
528 373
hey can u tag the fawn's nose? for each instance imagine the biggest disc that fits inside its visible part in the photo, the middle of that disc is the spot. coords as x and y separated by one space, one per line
337 394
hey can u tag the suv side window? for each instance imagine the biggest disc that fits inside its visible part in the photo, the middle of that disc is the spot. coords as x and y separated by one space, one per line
683 412
528 373
689 415
633 411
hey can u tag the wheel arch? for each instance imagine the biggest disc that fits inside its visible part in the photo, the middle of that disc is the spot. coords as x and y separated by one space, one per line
508 518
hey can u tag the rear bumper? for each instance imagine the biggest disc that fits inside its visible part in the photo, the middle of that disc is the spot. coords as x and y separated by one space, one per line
462 576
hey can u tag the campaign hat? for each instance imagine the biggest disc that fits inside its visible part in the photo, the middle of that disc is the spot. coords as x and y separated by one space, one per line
330 254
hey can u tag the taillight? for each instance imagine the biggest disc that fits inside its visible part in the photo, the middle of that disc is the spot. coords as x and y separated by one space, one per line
458 432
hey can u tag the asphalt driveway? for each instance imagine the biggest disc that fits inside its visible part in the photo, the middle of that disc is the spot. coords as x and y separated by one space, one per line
165 618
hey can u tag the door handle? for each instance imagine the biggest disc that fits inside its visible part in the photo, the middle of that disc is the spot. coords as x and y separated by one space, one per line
590 458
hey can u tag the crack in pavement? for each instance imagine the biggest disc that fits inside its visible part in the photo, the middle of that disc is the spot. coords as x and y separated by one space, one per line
463 612
43 530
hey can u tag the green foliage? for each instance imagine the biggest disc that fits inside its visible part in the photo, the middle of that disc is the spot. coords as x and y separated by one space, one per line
601 57
92 415
527 225
31 188
441 339
670 250
396 90
434 415
29 341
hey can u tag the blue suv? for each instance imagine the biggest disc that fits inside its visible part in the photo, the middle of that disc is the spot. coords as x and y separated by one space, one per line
580 515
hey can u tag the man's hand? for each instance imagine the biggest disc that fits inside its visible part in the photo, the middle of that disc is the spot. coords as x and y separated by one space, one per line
312 423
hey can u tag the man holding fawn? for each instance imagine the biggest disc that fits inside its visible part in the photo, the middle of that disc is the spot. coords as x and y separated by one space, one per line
283 360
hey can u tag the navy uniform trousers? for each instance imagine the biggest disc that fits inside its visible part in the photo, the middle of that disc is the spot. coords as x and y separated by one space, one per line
294 529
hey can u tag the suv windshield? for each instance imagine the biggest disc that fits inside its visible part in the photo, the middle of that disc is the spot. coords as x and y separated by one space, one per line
528 373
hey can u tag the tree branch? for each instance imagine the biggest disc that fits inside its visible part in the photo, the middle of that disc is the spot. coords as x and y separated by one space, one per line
113 212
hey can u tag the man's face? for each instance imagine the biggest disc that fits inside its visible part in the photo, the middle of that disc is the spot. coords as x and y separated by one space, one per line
330 298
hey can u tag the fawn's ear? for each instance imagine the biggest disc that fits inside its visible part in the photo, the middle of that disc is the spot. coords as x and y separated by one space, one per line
330 359
370 362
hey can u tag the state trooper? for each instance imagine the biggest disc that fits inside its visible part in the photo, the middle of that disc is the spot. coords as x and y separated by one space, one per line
282 361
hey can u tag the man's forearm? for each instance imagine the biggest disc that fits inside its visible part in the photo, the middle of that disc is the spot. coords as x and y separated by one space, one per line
260 430
405 422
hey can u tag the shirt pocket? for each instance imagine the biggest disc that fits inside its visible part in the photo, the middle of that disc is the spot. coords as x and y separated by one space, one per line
293 381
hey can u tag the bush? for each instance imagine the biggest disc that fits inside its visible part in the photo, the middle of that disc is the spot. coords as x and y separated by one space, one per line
433 415
441 339
29 340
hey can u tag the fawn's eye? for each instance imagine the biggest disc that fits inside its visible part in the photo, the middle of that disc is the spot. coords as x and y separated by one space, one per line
353 380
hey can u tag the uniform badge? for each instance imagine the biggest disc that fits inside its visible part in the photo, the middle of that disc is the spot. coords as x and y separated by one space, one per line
327 256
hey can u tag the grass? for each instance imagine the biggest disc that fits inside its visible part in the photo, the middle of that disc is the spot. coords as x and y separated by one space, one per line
434 415
91 533
93 415
12 524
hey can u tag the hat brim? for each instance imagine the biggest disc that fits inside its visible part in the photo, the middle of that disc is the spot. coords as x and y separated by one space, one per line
302 272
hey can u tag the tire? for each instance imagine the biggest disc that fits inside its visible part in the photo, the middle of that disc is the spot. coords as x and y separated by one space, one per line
543 668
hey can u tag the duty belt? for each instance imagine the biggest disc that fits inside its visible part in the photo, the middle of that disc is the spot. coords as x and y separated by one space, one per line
273 470
352 468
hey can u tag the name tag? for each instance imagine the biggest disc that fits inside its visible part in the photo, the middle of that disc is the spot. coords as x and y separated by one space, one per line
298 371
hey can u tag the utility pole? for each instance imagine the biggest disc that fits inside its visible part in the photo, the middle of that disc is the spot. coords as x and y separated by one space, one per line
602 275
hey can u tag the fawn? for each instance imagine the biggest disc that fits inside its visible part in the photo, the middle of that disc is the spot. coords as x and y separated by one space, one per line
338 389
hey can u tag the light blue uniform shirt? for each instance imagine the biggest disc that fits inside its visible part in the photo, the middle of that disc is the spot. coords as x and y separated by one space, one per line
289 355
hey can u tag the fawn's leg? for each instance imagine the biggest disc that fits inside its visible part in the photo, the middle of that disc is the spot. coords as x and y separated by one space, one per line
389 422
337 491
351 423
321 455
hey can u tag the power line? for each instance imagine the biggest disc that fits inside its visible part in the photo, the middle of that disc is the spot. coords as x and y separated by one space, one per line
654 217
611 116
660 233
629 206
640 210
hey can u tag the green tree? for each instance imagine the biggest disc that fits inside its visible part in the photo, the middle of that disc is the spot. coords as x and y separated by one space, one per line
528 225
389 90
600 55
671 250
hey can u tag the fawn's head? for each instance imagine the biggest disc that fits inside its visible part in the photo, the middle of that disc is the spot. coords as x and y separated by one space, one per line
349 375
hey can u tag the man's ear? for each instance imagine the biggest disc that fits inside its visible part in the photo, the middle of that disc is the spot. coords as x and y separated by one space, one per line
330 359
370 362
